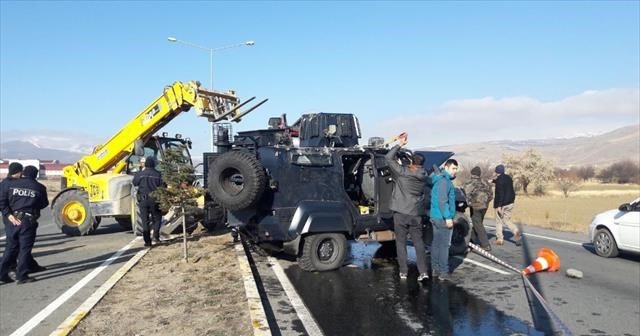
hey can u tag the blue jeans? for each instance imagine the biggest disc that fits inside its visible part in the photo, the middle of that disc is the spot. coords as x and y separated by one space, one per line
440 246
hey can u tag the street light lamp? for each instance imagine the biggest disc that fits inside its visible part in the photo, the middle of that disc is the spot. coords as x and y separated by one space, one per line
211 51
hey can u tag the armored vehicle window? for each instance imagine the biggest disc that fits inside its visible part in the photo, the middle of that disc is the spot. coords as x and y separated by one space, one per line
311 159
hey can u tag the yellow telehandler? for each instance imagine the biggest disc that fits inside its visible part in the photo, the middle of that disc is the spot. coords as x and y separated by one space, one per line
99 184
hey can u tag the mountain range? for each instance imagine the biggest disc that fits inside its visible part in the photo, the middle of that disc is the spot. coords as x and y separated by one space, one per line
599 150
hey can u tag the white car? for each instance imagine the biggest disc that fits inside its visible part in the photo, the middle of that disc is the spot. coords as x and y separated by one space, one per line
615 230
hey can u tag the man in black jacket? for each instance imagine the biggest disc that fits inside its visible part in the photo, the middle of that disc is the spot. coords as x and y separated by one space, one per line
407 204
503 205
147 181
21 200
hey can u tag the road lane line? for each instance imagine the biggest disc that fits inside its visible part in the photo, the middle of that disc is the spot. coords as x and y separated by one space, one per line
39 317
65 327
547 238
554 239
5 237
477 263
258 317
303 313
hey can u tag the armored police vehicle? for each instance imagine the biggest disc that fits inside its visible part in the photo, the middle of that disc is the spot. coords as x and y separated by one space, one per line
308 188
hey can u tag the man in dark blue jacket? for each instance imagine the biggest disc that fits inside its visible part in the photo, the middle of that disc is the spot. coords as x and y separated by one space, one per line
147 181
443 209
503 204
20 202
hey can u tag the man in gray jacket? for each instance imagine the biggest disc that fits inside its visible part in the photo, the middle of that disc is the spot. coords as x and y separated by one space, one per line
407 204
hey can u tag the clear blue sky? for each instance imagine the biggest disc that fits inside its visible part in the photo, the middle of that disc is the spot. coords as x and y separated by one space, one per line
426 67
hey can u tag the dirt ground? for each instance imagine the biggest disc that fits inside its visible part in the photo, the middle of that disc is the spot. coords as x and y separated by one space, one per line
163 295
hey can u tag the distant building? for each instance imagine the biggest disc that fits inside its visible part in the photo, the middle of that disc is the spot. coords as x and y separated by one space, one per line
48 169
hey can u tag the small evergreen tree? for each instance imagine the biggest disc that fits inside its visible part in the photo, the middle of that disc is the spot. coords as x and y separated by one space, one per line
177 174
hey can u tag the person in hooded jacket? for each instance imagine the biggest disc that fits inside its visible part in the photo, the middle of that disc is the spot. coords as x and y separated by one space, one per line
147 181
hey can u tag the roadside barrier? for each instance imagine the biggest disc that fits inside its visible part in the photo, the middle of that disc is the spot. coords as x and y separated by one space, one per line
557 321
547 260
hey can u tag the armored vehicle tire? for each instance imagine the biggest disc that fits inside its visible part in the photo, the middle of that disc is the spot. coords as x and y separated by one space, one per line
461 235
323 252
125 222
72 213
236 180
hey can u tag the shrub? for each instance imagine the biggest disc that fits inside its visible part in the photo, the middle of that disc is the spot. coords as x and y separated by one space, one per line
625 171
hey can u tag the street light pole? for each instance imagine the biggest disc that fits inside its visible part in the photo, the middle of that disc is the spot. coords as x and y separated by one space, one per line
211 51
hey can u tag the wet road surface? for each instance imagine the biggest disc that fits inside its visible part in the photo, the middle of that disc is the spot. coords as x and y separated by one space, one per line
354 301
484 298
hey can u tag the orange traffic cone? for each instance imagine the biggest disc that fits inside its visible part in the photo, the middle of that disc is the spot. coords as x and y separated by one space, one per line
547 260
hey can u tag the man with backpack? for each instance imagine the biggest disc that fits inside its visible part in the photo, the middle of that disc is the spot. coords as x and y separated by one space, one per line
479 194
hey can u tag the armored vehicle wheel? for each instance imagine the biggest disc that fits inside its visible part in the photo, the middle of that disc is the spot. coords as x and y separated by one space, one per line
236 180
323 252
461 234
72 213
125 222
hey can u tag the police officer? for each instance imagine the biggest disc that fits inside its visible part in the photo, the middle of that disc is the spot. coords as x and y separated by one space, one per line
147 181
20 202
29 172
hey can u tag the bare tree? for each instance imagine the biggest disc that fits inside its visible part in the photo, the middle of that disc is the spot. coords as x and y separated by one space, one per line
621 172
529 168
586 172
567 184
464 174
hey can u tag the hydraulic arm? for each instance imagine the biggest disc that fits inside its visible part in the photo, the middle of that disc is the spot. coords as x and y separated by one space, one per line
177 98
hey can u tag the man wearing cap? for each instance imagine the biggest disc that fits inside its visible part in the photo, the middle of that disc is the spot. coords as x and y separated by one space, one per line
147 181
20 202
480 194
503 204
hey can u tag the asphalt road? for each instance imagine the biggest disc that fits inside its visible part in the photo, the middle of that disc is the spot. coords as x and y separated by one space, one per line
68 261
485 298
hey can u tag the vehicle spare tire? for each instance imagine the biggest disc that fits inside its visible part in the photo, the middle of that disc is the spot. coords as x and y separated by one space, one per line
461 234
236 180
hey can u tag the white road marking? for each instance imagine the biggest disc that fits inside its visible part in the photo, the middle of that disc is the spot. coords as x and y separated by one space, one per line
477 263
65 327
5 237
39 317
303 313
545 237
257 314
